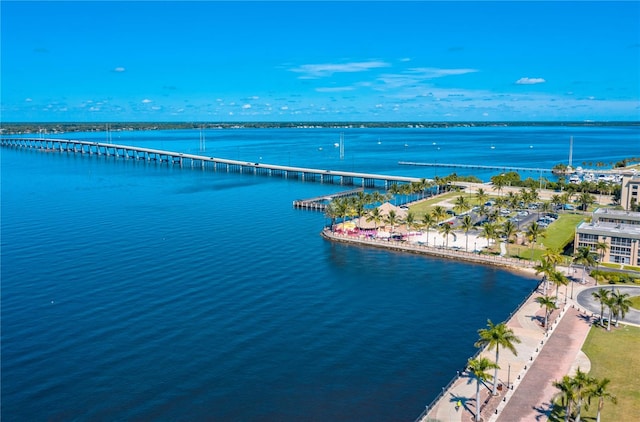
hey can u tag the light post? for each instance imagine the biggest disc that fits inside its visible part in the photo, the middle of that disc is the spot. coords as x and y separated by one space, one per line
509 377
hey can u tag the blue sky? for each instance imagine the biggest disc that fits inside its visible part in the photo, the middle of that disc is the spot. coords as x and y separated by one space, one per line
320 61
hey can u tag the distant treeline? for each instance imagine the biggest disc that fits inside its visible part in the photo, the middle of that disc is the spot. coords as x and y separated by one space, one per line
53 127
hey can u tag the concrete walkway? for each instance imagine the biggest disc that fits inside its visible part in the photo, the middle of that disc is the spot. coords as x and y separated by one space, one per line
526 380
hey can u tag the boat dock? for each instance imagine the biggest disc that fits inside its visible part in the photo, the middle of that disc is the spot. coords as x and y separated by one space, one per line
365 180
319 203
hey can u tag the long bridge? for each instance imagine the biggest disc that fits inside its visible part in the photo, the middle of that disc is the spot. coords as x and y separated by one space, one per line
476 166
365 180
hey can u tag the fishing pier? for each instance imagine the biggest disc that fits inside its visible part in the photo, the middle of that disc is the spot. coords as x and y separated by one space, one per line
364 180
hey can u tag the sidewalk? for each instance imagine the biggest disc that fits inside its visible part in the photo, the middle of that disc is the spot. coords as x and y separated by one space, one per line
526 379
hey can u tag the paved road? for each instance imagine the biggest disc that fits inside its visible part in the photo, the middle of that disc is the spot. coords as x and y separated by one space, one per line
586 299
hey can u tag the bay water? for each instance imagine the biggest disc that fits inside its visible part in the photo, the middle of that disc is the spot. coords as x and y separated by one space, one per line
143 291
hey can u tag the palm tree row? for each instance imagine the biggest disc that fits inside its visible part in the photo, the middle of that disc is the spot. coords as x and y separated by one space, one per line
492 337
577 392
618 304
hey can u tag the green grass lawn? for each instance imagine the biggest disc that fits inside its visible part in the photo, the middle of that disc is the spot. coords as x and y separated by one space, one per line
613 354
421 208
562 231
635 302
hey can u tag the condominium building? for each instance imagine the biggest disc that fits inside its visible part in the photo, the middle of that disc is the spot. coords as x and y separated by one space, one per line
619 230
630 192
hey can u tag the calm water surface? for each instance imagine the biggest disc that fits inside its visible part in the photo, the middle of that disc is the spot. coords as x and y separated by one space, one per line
135 291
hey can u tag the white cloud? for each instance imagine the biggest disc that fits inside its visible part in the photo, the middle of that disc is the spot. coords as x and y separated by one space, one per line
328 69
146 101
335 89
119 69
530 81
432 72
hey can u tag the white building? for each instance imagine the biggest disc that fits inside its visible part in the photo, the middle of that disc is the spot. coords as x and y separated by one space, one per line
619 230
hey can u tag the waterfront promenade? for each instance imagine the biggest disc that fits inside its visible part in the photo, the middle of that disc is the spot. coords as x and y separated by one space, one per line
526 379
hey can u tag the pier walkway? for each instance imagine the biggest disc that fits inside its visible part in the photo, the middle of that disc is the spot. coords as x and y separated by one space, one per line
365 180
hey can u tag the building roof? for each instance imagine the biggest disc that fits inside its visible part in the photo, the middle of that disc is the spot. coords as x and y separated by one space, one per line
631 231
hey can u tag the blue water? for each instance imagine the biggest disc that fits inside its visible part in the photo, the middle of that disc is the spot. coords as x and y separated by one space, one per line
138 291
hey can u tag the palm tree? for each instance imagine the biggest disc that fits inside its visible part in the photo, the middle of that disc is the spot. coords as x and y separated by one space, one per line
509 229
461 205
553 256
602 248
609 302
602 295
481 196
559 279
375 216
585 199
410 219
544 267
446 230
392 219
598 389
621 304
533 232
567 394
439 212
585 257
429 222
496 336
549 303
479 368
489 232
467 224
580 383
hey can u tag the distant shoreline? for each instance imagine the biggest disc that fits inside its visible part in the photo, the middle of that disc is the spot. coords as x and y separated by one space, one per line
14 128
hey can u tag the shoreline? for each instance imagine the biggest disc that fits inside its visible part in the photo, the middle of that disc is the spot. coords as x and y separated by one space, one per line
511 264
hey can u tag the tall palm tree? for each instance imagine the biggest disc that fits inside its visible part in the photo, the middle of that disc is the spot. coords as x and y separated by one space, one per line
602 295
546 268
479 368
559 279
446 230
481 196
429 222
585 199
489 232
549 303
580 382
567 394
610 303
585 257
509 230
392 219
375 216
602 248
598 390
621 304
410 220
439 212
467 224
461 205
553 256
494 337
533 232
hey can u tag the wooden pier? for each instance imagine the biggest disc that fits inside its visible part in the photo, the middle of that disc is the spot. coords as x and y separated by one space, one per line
365 180
319 203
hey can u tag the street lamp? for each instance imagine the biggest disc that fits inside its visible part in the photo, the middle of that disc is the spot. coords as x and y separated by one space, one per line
509 377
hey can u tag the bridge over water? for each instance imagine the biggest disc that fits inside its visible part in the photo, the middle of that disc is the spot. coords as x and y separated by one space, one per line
365 180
